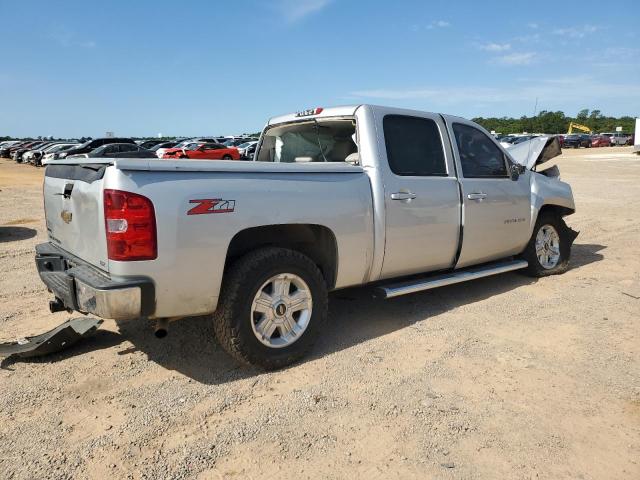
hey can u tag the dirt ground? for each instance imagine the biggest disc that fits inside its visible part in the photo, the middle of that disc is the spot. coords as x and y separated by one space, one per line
504 377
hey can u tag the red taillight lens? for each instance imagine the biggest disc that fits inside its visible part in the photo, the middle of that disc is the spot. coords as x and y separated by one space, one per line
130 223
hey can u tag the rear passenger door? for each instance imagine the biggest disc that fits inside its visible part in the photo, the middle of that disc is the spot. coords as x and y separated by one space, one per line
496 209
422 198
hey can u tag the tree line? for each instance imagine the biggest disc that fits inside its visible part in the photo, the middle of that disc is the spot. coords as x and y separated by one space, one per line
557 122
543 122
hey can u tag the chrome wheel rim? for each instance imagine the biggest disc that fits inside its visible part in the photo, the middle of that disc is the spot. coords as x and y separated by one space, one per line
548 247
281 310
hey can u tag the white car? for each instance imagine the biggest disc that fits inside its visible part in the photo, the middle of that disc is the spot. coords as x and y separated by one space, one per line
54 153
243 147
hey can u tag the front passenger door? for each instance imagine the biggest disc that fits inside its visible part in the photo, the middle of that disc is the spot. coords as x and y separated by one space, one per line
496 209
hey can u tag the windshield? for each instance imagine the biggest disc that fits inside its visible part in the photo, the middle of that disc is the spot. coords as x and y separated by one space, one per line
192 146
330 140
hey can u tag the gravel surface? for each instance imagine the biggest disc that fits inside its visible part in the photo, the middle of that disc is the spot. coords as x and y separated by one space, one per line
505 377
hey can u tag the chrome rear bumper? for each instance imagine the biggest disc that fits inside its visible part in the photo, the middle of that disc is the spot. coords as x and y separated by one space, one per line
79 286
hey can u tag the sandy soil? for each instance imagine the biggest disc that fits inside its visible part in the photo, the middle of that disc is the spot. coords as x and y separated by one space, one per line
501 378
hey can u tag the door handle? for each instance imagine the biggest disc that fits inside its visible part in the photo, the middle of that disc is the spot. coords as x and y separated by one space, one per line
403 196
477 196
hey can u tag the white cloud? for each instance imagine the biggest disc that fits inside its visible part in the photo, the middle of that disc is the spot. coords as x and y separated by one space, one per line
495 47
548 91
438 24
66 38
296 10
516 58
533 25
576 31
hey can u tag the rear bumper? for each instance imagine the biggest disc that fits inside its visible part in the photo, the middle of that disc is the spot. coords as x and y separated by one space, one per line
81 287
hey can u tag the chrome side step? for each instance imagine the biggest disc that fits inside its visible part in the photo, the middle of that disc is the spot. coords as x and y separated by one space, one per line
417 285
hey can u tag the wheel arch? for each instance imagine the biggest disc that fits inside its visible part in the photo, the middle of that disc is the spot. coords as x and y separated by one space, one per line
317 242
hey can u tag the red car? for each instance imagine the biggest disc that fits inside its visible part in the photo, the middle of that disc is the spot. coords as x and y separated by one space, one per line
203 151
600 141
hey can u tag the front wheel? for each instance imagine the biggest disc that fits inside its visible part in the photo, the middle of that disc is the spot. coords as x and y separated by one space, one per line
273 306
549 248
227 157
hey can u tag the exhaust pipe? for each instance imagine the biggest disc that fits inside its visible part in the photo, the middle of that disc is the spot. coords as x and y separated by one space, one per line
56 306
162 328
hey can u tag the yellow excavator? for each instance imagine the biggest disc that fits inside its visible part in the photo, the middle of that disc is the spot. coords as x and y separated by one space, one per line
577 126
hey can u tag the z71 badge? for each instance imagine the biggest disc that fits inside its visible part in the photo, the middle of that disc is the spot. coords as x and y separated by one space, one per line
212 205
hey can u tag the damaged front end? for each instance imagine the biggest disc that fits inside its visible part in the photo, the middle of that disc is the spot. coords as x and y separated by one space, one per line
535 152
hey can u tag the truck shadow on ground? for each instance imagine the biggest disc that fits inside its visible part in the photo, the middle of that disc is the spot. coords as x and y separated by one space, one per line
12 234
354 317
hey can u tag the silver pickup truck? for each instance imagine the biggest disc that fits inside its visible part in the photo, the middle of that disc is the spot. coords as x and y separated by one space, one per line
399 199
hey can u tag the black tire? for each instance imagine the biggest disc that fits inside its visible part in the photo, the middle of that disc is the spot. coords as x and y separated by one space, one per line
566 235
227 157
232 319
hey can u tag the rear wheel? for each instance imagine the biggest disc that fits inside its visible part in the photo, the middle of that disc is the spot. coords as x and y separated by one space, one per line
549 248
273 305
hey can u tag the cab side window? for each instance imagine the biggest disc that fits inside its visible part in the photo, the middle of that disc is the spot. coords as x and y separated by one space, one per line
414 146
479 156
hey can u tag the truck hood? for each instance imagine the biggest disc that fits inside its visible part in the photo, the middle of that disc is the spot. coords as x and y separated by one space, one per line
535 151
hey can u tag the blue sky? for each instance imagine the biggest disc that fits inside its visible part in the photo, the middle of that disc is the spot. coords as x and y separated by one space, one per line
74 68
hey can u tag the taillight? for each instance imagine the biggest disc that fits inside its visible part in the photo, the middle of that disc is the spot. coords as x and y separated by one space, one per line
130 223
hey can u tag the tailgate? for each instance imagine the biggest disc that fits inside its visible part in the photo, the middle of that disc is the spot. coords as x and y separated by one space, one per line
74 212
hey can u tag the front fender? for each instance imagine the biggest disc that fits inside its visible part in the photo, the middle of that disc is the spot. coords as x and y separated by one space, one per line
549 191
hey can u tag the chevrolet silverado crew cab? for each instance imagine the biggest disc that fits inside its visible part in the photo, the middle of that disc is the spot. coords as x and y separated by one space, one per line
399 199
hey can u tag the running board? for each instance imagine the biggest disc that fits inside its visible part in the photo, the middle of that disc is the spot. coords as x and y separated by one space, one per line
411 286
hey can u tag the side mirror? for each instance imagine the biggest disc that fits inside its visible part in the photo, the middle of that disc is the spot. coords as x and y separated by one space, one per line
516 171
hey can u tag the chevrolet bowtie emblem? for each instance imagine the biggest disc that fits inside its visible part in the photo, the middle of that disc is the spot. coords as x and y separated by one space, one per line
66 216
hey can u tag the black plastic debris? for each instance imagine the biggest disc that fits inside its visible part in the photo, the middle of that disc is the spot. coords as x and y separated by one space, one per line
61 337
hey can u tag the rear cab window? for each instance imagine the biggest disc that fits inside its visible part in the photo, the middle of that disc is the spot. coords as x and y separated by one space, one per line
321 140
414 146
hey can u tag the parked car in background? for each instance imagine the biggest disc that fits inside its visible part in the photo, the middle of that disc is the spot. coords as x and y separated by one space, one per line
250 152
93 144
560 140
600 141
237 142
6 144
620 138
162 146
150 143
577 140
34 155
5 150
511 140
183 143
17 153
117 150
204 151
121 150
55 151
243 147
